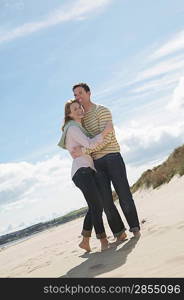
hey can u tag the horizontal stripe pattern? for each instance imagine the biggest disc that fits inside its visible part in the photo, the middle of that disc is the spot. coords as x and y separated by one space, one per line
94 121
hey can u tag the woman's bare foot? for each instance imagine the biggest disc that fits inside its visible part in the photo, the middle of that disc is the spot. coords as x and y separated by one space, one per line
85 244
122 237
104 244
137 234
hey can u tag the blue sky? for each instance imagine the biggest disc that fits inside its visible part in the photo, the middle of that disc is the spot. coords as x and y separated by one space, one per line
131 55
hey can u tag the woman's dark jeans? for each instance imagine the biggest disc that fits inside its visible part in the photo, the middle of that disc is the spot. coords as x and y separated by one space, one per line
97 191
85 180
113 169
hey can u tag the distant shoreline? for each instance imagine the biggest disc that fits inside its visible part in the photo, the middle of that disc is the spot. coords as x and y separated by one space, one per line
13 237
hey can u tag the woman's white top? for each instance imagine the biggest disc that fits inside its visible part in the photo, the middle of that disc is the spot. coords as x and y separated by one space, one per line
75 137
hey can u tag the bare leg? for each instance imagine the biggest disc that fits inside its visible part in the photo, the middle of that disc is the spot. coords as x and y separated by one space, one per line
85 244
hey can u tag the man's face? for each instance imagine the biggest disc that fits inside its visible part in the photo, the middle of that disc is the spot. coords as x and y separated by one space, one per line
81 95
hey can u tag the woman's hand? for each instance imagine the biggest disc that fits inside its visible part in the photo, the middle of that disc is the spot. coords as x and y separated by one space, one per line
76 151
108 128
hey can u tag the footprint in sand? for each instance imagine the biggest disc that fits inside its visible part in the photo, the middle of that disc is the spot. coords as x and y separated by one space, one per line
181 226
74 251
152 230
60 253
163 229
158 229
39 266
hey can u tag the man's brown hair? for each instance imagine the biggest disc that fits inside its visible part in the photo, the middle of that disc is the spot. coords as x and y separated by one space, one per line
83 85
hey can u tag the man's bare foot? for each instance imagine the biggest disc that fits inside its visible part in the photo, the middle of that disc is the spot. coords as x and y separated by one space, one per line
122 237
137 234
85 244
104 244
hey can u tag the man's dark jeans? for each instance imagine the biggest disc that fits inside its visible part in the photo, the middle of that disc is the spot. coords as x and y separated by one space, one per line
85 180
113 169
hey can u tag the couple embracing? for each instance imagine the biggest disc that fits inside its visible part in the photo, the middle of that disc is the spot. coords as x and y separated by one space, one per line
89 136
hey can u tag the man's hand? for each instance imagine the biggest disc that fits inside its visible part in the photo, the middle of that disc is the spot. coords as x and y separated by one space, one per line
76 152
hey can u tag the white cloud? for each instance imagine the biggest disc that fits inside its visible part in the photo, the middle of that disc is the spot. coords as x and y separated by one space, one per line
174 44
147 139
146 76
161 68
177 101
79 10
20 181
157 85
33 192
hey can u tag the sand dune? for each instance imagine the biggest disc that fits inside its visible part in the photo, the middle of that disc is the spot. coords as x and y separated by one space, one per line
159 252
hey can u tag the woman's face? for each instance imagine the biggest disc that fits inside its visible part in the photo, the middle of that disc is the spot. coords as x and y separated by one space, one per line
76 111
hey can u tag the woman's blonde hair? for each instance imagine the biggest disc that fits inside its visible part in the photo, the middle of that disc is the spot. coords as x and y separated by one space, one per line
67 118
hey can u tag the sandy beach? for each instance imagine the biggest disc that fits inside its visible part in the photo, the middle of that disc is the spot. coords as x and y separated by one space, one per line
159 252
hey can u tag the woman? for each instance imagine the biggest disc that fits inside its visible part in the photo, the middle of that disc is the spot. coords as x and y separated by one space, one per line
83 171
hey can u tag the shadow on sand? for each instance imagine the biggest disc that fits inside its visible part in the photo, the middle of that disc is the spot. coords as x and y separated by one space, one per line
102 262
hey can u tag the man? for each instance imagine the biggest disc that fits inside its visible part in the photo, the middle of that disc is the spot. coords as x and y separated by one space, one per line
108 162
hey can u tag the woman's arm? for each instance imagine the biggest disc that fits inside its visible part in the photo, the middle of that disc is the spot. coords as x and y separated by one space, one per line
88 145
74 133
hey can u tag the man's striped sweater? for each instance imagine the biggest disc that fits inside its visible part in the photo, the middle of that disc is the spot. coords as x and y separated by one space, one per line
94 122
